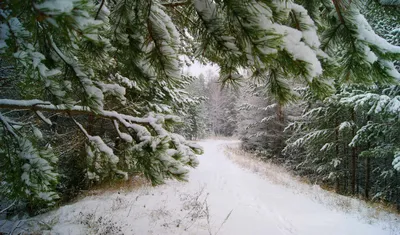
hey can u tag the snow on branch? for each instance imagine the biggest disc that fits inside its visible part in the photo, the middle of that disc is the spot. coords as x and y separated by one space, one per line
208 15
7 125
93 93
140 125
99 144
166 41
175 4
396 161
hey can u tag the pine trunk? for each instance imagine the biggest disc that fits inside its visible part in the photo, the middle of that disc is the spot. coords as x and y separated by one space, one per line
367 176
367 169
337 186
90 124
281 124
353 159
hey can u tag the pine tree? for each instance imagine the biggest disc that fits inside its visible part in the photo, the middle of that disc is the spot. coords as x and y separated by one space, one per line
320 144
109 73
97 72
221 108
262 120
194 119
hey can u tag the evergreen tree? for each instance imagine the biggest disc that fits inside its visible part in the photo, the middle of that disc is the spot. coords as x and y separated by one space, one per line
221 108
343 140
104 72
194 121
262 120
110 73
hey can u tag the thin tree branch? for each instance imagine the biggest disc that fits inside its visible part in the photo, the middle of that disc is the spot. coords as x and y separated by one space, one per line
336 3
296 21
37 105
11 205
98 11
175 4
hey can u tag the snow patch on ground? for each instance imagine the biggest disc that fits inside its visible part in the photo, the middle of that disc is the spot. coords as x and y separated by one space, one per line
221 197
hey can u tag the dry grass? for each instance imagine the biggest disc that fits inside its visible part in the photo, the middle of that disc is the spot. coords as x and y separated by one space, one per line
264 168
131 184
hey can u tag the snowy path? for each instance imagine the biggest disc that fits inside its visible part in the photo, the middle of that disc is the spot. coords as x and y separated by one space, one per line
217 189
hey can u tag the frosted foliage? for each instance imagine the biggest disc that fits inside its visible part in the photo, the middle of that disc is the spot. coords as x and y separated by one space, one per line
327 147
98 144
367 34
113 89
126 137
208 12
4 35
385 106
38 134
310 32
38 173
390 2
93 93
206 8
70 8
166 39
125 81
345 125
300 51
369 39
396 161
292 38
174 144
68 53
56 6
308 138
380 103
27 55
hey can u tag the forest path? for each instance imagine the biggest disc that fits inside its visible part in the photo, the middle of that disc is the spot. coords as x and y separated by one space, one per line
221 197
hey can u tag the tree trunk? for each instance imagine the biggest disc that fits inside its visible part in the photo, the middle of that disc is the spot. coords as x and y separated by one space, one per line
353 159
337 186
367 176
89 128
367 169
281 124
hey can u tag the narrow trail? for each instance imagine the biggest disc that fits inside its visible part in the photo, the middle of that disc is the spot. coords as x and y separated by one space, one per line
220 198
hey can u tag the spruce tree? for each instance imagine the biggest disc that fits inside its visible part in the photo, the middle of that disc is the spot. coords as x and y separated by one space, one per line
108 73
343 140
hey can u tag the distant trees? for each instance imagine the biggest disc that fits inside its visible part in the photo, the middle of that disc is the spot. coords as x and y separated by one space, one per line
194 116
221 109
262 120
214 113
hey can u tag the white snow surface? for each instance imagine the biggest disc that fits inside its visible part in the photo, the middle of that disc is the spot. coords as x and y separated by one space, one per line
222 197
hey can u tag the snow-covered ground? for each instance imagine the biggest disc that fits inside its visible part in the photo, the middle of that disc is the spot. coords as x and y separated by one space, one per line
222 197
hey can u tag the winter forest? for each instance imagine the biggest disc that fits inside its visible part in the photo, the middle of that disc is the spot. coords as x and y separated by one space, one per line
95 92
